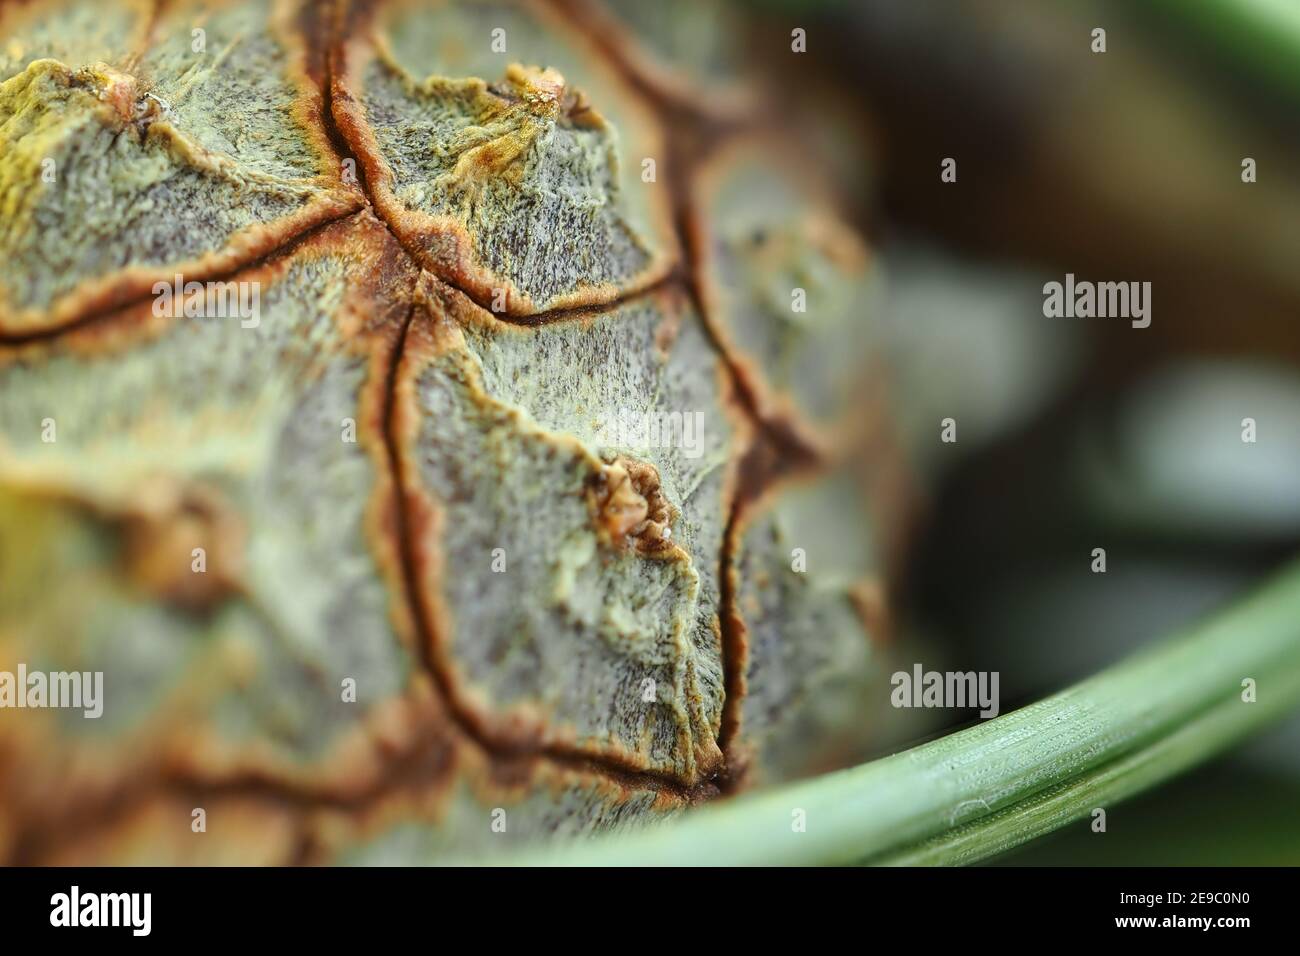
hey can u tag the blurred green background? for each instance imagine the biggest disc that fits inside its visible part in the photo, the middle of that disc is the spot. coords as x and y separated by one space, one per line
1086 433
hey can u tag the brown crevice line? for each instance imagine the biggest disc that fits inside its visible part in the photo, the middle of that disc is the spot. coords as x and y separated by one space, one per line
697 139
409 769
770 440
733 657
763 467
671 109
732 642
305 849
155 17
774 450
16 340
319 25
775 431
675 277
607 767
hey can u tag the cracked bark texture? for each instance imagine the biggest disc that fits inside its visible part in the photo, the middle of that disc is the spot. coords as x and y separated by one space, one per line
413 471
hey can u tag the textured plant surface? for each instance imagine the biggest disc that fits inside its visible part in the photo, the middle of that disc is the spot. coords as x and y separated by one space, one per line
404 473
